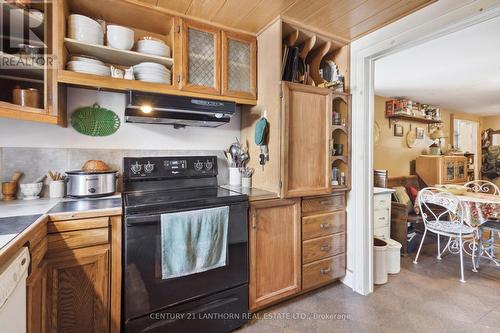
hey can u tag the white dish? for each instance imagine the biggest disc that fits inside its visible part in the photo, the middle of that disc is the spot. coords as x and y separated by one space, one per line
86 36
85 29
31 190
150 65
119 37
87 59
154 47
88 68
151 71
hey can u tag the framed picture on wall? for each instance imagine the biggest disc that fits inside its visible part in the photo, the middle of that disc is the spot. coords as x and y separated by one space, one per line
398 130
420 132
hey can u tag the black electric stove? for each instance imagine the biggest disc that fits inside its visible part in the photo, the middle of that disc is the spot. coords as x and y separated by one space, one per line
212 301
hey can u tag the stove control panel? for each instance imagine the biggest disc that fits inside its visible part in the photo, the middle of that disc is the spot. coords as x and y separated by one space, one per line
169 167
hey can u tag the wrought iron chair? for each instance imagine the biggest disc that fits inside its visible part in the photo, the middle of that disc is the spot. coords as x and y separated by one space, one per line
482 186
444 215
487 247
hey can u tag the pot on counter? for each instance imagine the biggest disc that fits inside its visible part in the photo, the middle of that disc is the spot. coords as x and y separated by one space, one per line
82 184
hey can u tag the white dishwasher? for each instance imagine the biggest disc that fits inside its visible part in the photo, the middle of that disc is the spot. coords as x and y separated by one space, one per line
13 293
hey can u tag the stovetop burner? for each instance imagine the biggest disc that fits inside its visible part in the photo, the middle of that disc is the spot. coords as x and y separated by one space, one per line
160 184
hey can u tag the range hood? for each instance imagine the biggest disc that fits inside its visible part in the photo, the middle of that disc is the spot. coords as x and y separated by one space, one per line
178 111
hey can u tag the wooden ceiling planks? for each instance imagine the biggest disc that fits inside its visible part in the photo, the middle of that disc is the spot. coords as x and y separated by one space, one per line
348 19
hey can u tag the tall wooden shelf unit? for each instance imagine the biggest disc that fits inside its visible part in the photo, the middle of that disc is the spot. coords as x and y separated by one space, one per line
300 140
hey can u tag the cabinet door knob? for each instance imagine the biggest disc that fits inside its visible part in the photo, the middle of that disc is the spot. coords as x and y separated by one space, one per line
325 248
325 225
325 270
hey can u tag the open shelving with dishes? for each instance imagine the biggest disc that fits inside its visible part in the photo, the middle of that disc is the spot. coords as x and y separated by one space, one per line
148 22
104 32
26 72
321 60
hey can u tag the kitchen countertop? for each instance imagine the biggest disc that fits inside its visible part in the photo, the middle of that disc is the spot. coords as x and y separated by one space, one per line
18 217
254 194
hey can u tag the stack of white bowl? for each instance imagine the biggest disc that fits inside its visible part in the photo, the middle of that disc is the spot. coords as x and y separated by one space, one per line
85 29
88 65
152 46
152 72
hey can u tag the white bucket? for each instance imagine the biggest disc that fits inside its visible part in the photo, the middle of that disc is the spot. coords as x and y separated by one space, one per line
380 261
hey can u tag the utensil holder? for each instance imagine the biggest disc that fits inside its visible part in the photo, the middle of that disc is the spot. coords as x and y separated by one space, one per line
246 182
57 189
234 176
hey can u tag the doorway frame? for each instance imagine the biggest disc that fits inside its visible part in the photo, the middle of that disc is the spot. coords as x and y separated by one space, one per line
436 20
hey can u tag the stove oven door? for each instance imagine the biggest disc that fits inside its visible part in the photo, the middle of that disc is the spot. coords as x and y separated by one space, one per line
144 289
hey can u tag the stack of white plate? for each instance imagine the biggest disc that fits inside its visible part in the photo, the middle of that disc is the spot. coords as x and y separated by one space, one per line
85 29
152 72
88 65
153 47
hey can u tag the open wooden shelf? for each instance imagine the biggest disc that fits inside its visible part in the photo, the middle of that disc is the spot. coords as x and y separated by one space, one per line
13 111
344 129
113 56
342 158
414 119
116 84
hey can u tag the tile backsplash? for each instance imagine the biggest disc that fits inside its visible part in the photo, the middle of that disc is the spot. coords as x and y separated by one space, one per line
35 162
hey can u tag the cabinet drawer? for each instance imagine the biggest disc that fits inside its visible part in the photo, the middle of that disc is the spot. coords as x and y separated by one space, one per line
77 239
323 271
323 204
381 218
322 247
381 201
323 224
82 224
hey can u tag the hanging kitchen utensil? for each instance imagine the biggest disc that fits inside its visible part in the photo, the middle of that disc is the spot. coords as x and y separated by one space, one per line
260 140
95 121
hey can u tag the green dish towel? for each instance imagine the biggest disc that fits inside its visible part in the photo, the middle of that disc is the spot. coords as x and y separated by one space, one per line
193 241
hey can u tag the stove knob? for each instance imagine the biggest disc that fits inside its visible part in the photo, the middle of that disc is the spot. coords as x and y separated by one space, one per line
208 165
136 168
198 166
148 168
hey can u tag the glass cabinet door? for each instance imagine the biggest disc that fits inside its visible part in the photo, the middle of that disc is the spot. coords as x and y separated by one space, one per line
200 58
460 170
450 171
239 72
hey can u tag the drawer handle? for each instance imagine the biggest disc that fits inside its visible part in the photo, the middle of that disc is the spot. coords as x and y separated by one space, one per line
325 270
325 225
325 248
324 202
382 218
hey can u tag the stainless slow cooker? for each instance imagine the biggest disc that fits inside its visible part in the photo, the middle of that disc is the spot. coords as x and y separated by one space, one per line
94 184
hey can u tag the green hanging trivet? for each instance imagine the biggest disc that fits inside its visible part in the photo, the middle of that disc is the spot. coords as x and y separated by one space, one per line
95 121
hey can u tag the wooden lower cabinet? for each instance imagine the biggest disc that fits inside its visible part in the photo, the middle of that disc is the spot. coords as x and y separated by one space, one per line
78 291
275 251
83 275
36 286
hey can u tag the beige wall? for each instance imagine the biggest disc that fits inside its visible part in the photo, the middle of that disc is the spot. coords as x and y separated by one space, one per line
392 153
492 122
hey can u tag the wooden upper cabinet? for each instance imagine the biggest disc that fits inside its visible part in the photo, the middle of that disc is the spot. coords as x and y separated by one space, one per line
239 65
78 291
275 251
306 140
201 57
